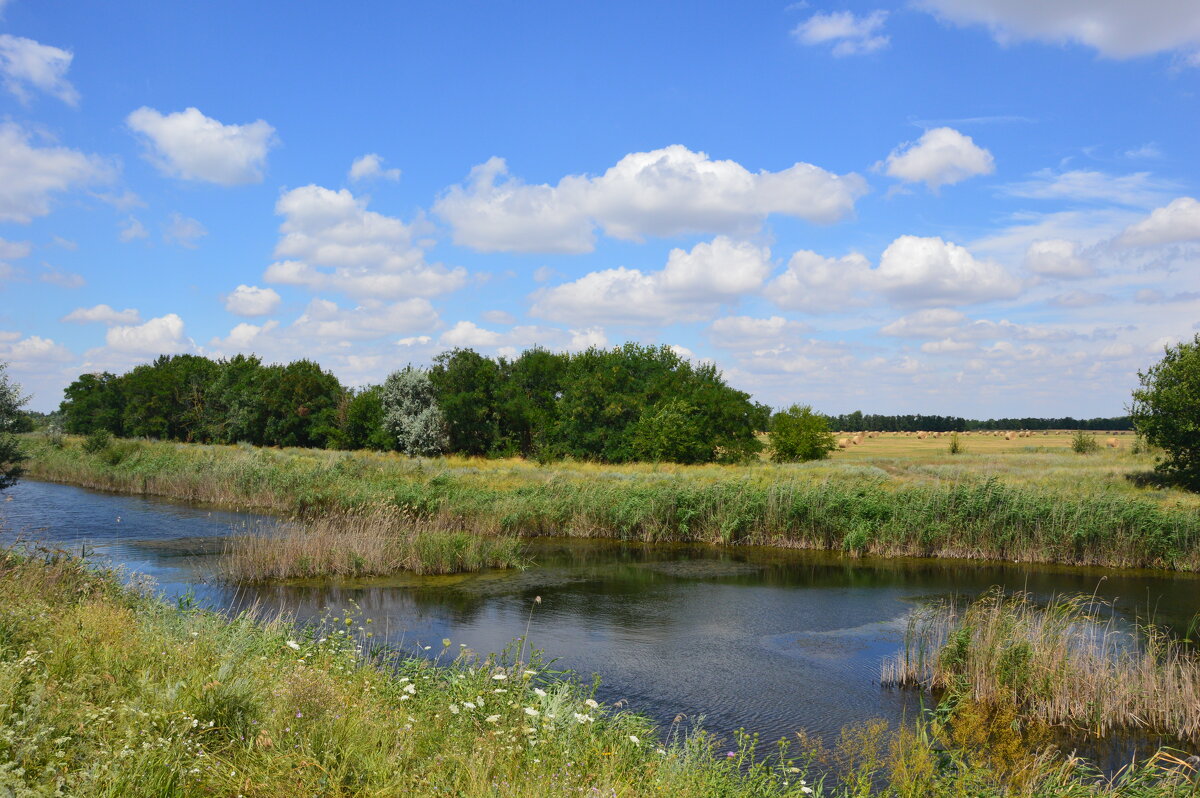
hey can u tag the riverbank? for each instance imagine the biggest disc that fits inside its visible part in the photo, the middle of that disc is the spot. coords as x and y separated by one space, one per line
105 690
1034 503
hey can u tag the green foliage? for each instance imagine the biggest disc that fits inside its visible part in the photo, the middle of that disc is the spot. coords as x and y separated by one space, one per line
671 432
362 424
1083 443
465 384
11 455
798 434
411 413
97 441
1166 411
956 444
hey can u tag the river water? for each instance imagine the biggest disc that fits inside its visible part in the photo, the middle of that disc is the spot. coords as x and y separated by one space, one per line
769 640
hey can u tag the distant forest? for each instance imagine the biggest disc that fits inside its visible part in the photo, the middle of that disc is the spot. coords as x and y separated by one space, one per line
624 404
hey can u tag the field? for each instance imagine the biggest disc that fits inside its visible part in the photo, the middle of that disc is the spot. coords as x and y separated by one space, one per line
1030 499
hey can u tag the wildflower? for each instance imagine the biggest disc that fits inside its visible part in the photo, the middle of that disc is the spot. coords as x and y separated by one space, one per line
581 718
539 692
591 703
730 754
453 709
492 718
530 711
445 642
468 705
633 738
527 674
410 688
293 645
500 676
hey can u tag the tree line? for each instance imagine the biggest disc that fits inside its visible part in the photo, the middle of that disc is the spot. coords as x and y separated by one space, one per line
871 422
628 403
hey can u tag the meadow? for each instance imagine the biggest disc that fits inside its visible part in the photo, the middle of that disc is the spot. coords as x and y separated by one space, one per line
106 690
1027 499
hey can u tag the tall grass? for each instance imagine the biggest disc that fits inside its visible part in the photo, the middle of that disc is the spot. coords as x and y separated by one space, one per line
106 691
963 508
380 541
1063 664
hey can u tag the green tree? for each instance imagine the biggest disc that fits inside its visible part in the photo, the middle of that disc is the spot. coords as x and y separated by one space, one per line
411 413
465 384
799 434
362 427
301 405
527 400
672 432
1166 411
11 455
92 402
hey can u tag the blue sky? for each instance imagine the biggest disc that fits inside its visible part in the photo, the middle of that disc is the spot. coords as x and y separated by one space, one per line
978 207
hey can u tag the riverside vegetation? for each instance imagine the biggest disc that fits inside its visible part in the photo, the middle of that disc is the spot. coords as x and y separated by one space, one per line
1034 501
105 690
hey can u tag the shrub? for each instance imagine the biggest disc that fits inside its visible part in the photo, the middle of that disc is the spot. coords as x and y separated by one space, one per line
11 455
670 432
799 434
956 445
1166 412
97 441
1083 443
411 413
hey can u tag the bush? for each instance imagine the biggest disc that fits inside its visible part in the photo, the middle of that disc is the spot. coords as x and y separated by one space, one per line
1083 443
1166 411
97 441
956 445
799 434
11 455
670 432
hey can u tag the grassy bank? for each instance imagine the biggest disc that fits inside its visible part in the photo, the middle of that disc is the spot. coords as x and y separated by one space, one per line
380 541
105 691
1029 504
1065 665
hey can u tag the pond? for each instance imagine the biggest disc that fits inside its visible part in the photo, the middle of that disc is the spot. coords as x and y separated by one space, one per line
766 639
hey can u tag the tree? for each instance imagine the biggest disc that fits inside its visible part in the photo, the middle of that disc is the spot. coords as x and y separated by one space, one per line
411 413
464 384
302 403
672 432
92 402
11 455
799 434
363 426
1166 411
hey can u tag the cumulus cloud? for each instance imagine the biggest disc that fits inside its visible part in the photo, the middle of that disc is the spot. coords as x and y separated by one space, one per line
330 241
328 322
33 351
1115 28
1057 257
1137 189
132 229
370 167
817 284
30 175
947 324
244 337
189 145
103 314
1174 223
499 317
161 335
747 332
184 231
689 288
663 192
10 250
250 300
941 157
930 271
849 34
28 66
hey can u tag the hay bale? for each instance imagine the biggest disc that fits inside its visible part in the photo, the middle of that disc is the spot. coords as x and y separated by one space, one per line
1112 443
1008 436
843 443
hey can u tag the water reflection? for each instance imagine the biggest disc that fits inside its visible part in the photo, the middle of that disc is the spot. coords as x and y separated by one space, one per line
766 639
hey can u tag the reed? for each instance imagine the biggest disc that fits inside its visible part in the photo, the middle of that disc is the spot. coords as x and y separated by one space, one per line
382 540
1065 664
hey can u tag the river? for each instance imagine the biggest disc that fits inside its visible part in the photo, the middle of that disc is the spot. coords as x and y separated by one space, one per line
765 639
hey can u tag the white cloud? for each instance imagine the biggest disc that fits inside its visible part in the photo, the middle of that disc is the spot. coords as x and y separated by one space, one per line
161 335
466 334
371 255
250 300
104 315
34 351
930 271
1137 189
1115 28
132 229
326 321
941 157
29 175
747 332
416 340
1057 257
689 288
370 167
1080 299
928 323
61 278
587 338
499 317
10 250
184 231
244 336
1176 222
26 64
664 192
818 284
946 346
949 324
192 146
851 35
